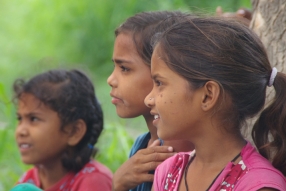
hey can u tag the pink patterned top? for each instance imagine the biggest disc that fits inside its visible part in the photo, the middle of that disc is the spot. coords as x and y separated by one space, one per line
253 172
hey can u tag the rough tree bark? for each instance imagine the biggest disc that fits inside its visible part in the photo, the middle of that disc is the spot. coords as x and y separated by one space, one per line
269 22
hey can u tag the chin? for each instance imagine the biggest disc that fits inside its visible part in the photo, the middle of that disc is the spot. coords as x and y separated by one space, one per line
125 114
27 161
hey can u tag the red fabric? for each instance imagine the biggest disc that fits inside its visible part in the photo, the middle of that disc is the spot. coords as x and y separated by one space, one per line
93 177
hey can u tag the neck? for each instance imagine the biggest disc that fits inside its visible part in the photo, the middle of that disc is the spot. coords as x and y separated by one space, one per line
178 146
152 129
50 174
220 147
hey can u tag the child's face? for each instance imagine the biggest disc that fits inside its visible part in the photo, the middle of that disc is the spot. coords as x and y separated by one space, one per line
130 80
38 134
176 108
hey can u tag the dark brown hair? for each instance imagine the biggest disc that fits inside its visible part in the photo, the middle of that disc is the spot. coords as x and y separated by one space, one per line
227 52
143 26
71 95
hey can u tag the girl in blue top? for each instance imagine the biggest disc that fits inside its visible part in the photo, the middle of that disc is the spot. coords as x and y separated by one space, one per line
131 82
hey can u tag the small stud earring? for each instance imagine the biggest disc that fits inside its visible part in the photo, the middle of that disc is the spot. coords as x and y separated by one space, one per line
150 98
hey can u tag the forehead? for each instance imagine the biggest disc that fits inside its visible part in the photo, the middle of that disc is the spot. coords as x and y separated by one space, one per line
123 42
28 102
157 63
159 68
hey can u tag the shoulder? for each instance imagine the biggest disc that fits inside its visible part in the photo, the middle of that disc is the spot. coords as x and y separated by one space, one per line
252 159
30 176
95 167
258 178
260 172
93 176
140 143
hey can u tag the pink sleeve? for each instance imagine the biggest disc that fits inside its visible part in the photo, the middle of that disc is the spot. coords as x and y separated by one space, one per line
256 179
94 182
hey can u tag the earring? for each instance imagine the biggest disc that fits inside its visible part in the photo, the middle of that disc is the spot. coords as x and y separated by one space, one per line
205 106
150 98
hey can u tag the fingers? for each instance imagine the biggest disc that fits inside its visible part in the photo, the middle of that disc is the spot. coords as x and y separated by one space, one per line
157 149
146 167
157 157
148 162
156 143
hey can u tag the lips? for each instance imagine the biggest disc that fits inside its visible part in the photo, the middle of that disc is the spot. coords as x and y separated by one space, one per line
24 147
115 99
156 120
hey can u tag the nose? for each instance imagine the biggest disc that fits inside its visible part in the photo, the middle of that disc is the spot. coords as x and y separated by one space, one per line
111 80
149 100
21 130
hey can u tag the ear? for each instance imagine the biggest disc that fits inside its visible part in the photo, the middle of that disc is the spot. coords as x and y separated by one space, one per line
77 133
211 93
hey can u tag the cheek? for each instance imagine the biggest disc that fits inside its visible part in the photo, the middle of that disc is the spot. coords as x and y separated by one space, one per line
168 104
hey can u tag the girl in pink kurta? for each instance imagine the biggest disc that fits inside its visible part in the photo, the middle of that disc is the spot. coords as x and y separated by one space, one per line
209 76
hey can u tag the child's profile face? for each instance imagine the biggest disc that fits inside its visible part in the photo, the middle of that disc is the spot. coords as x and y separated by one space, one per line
38 134
176 108
130 80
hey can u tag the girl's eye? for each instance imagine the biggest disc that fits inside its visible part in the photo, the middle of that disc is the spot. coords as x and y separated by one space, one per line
19 118
124 69
158 83
33 119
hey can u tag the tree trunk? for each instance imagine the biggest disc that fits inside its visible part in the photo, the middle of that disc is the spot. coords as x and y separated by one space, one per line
269 23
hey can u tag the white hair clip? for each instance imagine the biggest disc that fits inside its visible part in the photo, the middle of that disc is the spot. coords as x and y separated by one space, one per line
272 76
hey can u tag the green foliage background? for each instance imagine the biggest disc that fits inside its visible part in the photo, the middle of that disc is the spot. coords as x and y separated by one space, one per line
39 35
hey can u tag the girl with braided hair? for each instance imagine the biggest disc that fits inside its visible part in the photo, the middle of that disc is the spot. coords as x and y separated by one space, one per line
59 122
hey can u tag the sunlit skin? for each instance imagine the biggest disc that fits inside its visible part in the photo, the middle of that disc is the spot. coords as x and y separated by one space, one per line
39 138
176 106
186 114
130 79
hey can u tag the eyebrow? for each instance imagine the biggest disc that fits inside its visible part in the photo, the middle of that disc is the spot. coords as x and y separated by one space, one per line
155 76
120 61
30 114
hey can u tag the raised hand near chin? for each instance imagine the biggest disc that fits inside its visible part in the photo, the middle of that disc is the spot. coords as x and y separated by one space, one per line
136 170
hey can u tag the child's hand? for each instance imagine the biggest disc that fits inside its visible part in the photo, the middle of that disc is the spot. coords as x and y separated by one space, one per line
135 171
